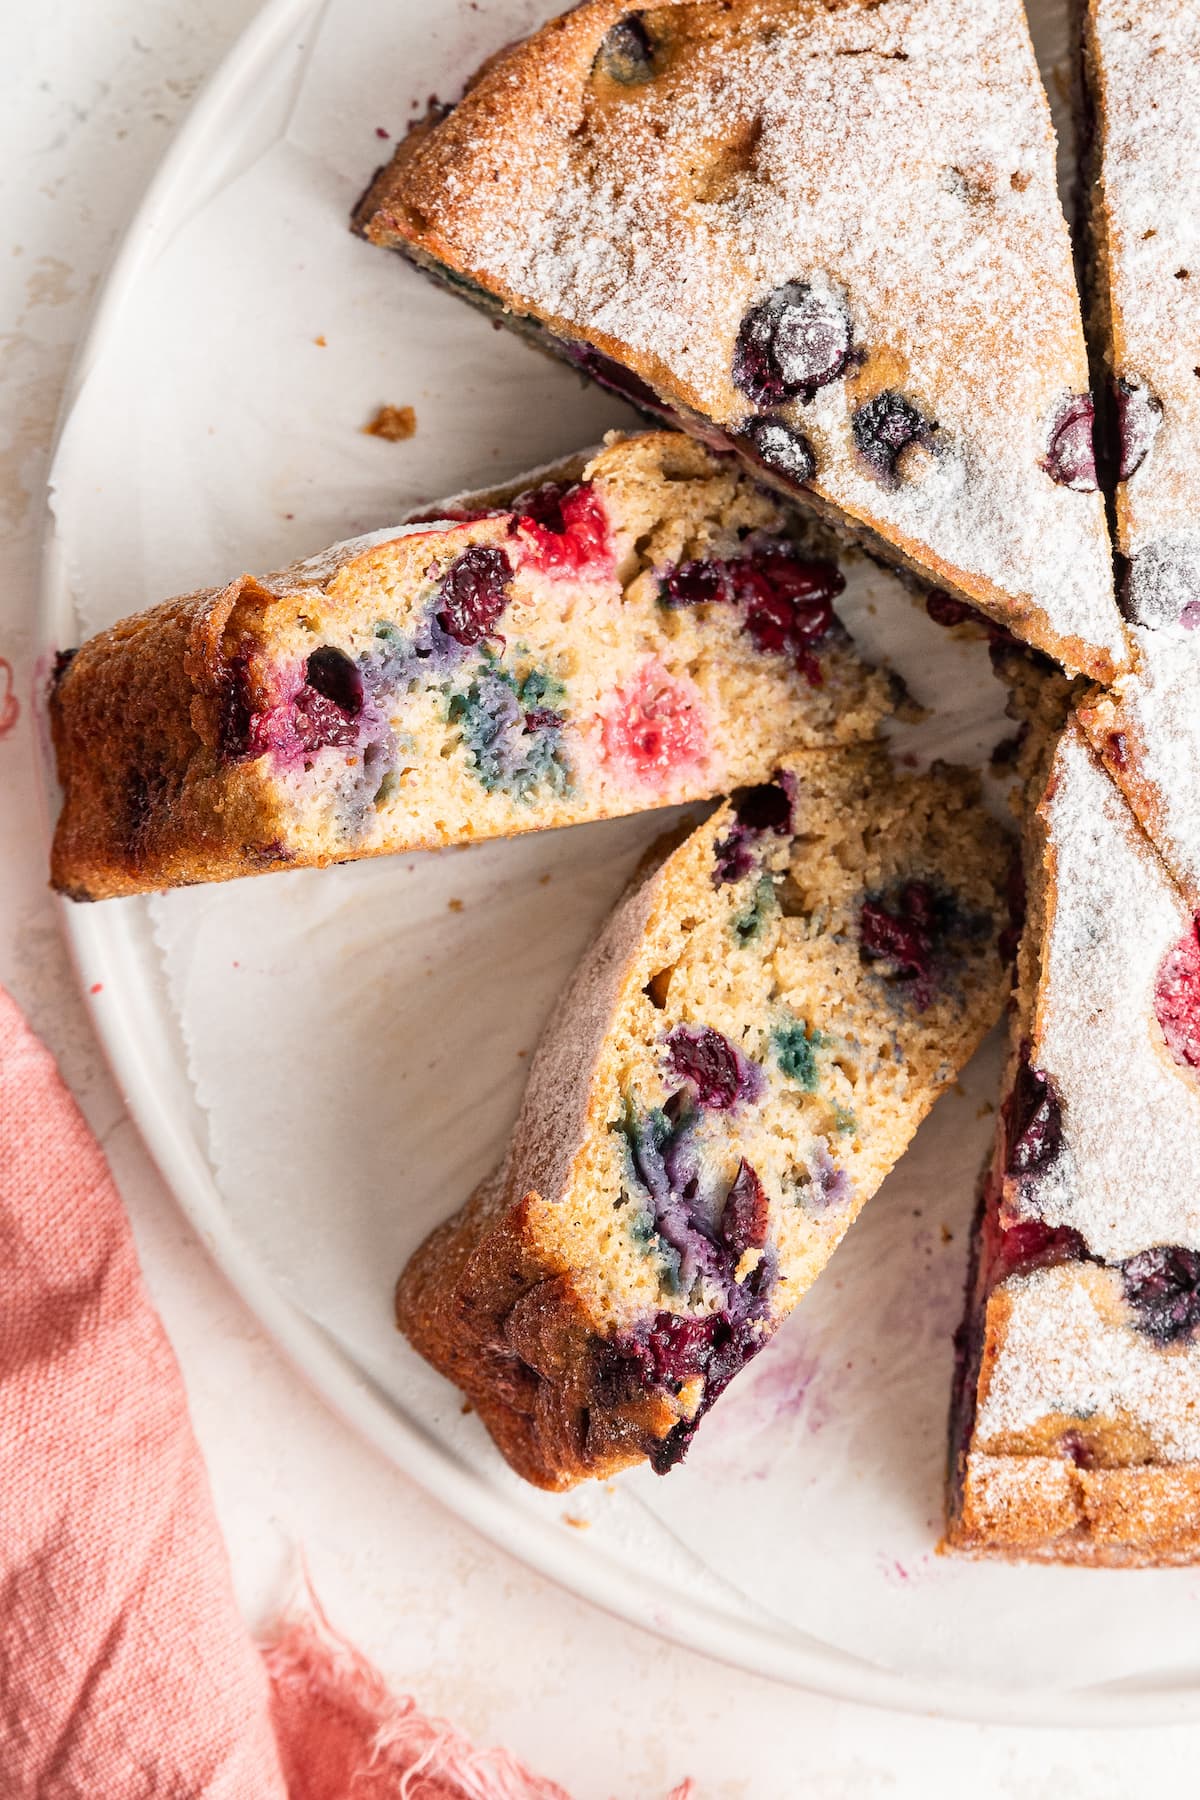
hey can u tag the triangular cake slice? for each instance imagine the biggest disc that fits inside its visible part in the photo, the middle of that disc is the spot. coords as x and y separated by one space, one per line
1143 64
1075 1430
827 236
644 627
739 1060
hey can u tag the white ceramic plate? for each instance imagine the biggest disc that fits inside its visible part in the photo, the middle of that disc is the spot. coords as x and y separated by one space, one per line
323 1064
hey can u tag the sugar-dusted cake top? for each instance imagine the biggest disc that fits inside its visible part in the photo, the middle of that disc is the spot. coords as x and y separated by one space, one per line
1113 1033
1072 1347
1144 57
838 225
1144 69
1147 729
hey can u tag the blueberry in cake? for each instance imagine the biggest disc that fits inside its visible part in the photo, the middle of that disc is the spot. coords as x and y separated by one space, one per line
1075 1427
650 628
1145 229
828 237
739 1060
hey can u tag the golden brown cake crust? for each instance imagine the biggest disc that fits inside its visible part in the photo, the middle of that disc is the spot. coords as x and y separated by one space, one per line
136 721
481 1305
1043 1509
139 716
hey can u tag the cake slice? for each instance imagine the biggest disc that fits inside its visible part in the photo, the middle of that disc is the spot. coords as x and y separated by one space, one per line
739 1060
644 627
829 236
1143 63
1075 1428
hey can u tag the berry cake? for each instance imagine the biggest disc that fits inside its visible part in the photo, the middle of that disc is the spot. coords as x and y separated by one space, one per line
1142 58
650 628
828 237
741 1057
1075 1428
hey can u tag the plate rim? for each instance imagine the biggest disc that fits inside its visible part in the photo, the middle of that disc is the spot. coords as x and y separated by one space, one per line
99 940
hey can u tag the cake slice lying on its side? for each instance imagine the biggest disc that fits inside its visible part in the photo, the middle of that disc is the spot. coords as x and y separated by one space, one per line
1075 1427
739 1060
646 629
827 236
1143 64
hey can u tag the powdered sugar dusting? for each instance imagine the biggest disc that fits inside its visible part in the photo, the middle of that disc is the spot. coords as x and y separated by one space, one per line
1072 1369
1146 59
1156 710
902 153
1144 64
1128 1175
1069 1348
318 570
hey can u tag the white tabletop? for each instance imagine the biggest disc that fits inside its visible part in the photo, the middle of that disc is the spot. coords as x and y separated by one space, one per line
89 98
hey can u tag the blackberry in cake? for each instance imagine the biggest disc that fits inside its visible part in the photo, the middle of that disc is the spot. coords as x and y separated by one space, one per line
827 237
1141 62
645 627
1075 1427
739 1060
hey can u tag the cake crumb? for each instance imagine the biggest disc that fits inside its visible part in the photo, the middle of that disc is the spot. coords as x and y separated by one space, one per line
395 423
320 342
576 1523
454 905
947 1235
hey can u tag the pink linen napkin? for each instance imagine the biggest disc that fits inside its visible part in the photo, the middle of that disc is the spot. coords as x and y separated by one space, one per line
125 1670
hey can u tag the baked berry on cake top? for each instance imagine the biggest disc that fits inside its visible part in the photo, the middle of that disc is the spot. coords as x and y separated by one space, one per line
1142 62
643 627
740 1058
1075 1429
829 237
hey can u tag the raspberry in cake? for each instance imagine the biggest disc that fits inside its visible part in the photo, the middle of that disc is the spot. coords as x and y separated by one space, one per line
1141 62
643 627
1075 1430
740 1059
827 236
